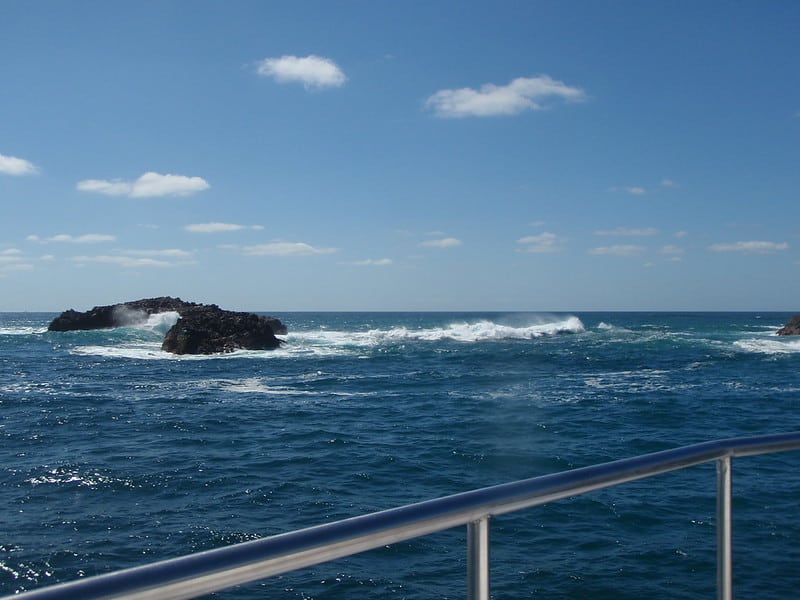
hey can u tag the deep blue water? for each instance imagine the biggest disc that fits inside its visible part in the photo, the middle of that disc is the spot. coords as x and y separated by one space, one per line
114 454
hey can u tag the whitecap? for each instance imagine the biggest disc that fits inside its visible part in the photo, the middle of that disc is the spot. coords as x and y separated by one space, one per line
137 351
22 330
773 345
489 330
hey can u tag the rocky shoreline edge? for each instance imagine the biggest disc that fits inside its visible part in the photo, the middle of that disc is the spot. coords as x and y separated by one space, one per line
791 328
200 329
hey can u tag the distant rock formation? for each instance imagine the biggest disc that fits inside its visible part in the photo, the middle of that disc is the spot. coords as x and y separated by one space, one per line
792 327
117 315
201 328
209 329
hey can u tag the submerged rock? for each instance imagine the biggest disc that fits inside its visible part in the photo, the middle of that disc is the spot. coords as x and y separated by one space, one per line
792 327
201 328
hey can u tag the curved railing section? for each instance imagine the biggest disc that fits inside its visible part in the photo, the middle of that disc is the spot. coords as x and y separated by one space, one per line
204 572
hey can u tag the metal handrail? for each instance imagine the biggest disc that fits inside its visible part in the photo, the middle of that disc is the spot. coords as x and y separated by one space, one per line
204 572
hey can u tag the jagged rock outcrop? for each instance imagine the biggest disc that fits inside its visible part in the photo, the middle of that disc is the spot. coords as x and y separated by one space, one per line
209 329
117 315
792 327
201 328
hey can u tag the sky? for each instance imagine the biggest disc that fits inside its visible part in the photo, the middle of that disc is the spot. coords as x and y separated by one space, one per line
374 155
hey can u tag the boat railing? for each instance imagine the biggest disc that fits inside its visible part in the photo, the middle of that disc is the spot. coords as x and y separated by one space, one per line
213 570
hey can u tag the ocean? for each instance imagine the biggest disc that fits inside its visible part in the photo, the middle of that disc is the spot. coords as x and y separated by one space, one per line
115 454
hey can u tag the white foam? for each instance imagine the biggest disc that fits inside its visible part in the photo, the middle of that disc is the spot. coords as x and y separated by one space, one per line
22 330
65 475
258 385
325 342
478 331
142 351
772 345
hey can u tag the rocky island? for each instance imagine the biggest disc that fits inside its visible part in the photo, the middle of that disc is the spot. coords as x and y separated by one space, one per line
200 329
792 327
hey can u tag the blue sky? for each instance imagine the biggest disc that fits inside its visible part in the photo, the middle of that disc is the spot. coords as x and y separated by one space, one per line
543 156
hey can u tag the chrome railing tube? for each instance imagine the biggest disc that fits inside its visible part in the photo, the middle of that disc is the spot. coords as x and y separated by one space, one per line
478 569
205 572
724 530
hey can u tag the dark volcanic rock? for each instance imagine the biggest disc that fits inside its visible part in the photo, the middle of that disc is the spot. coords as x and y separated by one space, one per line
201 328
792 327
117 315
209 329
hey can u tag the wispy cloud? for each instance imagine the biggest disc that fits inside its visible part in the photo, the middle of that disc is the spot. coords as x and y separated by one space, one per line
633 190
87 238
490 100
17 266
165 253
373 262
127 262
754 247
312 71
11 165
628 232
219 227
668 183
12 260
149 185
441 243
672 250
285 249
618 250
542 243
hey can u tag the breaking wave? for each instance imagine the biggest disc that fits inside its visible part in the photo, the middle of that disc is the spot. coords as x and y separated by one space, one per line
324 342
22 330
772 345
478 331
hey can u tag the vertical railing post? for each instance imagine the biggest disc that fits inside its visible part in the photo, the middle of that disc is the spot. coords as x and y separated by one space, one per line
478 559
724 530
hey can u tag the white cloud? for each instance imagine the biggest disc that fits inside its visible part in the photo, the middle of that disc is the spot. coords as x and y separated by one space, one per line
219 227
441 243
668 183
166 253
16 267
634 190
627 231
312 71
11 165
542 243
127 262
88 238
285 249
754 247
681 234
373 262
523 93
148 185
620 250
109 188
10 252
672 250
